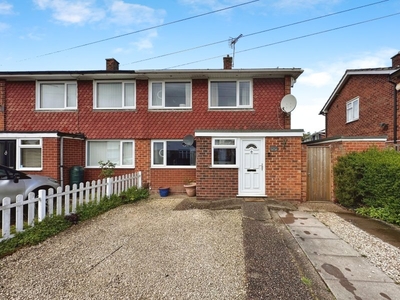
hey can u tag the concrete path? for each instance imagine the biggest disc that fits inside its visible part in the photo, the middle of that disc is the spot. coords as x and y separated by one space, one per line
347 274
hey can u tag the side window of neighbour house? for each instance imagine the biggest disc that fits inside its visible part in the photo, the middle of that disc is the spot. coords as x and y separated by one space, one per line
29 154
170 95
224 152
230 94
352 110
120 152
114 95
56 95
172 154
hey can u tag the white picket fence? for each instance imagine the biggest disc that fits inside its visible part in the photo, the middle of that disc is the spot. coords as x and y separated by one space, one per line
61 202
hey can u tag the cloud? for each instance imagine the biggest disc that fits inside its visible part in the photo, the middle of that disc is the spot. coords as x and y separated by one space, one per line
5 8
4 26
315 79
72 12
123 13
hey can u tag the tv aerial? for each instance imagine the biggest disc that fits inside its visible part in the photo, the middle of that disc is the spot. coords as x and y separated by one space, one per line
232 43
288 103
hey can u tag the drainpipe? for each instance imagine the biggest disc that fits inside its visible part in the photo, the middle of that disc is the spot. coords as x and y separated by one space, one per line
62 161
395 85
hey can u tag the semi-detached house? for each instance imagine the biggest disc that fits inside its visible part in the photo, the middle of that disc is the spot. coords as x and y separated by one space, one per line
223 128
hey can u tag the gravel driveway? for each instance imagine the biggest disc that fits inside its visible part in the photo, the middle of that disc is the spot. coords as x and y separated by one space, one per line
144 250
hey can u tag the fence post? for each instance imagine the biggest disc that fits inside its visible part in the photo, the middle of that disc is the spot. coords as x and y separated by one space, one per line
139 182
109 188
42 205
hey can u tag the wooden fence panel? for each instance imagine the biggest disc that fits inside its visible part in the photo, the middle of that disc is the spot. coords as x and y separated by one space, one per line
319 182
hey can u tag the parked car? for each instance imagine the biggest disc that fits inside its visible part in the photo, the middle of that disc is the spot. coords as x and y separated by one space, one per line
13 183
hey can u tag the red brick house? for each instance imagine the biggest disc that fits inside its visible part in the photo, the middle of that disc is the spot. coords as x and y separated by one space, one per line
238 140
364 104
361 112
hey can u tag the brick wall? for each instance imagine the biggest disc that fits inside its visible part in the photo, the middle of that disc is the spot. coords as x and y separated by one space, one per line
283 168
283 171
213 183
376 106
74 155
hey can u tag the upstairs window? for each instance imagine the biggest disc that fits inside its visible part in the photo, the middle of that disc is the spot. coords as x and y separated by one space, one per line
56 95
170 95
114 95
230 94
352 110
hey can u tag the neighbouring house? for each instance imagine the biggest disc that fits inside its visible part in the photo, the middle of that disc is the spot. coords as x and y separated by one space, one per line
364 104
361 112
223 128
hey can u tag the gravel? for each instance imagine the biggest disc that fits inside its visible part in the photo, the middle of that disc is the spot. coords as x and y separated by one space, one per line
381 254
145 250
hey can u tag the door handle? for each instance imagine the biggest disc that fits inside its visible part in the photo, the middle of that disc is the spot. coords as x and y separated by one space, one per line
262 166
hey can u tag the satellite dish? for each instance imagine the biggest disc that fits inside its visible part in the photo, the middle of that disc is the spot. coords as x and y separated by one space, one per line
288 103
188 140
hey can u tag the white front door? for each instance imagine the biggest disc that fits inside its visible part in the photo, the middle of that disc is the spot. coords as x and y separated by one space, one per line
252 169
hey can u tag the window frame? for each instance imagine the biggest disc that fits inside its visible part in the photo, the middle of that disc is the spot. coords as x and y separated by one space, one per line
119 165
123 83
238 105
226 146
162 106
164 164
20 146
350 112
39 84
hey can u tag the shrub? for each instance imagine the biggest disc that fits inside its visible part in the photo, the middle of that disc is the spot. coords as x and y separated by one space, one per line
369 182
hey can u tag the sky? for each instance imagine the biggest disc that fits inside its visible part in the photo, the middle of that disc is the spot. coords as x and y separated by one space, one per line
324 38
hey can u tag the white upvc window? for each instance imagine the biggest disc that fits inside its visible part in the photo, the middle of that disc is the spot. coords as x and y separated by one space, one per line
230 94
29 154
114 95
224 152
55 95
172 153
119 152
170 95
352 110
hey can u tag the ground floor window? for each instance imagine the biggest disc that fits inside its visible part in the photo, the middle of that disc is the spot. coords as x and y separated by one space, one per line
30 153
119 152
172 154
224 152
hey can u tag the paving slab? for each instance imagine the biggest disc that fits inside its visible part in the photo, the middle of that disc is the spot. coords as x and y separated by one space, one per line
360 290
299 218
347 274
348 267
335 247
312 232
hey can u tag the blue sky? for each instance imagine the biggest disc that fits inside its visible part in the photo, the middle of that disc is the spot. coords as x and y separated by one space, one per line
39 34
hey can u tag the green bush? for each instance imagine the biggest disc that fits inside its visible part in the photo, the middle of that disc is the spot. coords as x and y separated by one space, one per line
370 180
51 226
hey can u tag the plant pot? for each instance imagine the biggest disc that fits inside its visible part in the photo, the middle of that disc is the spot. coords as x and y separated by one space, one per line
163 191
190 189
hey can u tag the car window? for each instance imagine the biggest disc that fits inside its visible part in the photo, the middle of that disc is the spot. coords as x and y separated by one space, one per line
3 174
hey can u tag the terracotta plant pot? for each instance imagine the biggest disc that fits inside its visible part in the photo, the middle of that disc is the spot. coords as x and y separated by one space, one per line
190 189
